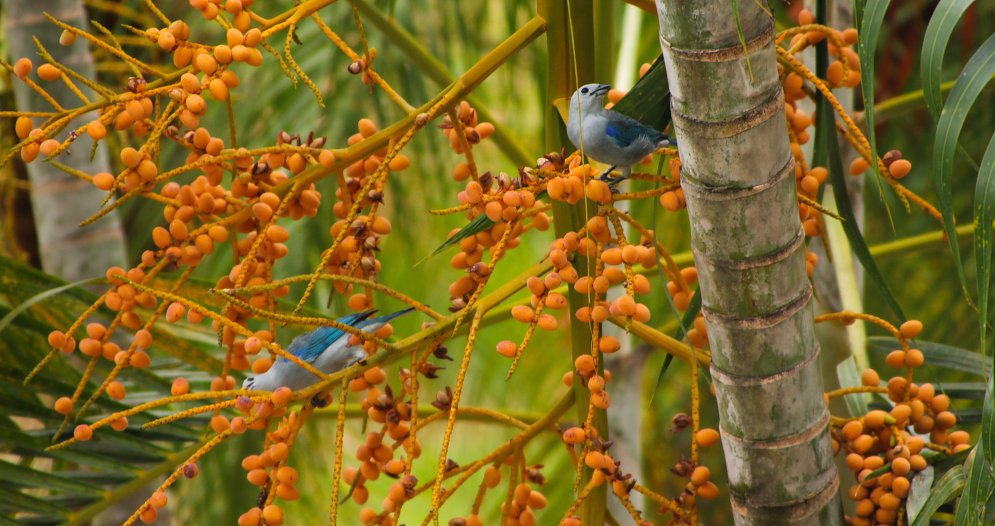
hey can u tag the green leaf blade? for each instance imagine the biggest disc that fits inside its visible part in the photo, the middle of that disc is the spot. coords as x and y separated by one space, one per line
949 485
934 44
977 491
972 80
870 30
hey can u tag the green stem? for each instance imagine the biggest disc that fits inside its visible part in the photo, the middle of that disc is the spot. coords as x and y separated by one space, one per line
571 45
916 242
427 64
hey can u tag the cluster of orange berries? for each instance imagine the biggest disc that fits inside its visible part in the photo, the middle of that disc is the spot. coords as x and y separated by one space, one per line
473 132
893 162
268 470
157 501
211 63
398 493
375 454
524 502
883 437
356 254
837 74
808 181
506 202
237 8
673 200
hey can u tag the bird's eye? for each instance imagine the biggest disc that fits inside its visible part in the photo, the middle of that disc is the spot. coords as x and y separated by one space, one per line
584 90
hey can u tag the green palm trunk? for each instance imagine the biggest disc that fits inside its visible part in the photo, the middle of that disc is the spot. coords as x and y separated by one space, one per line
738 178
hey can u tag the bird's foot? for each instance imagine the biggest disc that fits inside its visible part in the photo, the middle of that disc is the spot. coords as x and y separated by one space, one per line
321 400
607 175
613 184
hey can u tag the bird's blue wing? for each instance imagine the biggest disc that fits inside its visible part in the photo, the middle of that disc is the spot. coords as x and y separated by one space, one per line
624 131
310 345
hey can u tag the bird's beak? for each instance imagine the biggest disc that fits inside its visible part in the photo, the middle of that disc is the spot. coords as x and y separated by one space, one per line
602 89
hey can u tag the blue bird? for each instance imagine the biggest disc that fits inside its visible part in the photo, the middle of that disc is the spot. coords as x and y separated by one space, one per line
326 348
608 136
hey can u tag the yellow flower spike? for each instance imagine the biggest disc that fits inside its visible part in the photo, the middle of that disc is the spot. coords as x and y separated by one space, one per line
581 497
106 47
335 39
87 373
631 196
629 507
811 203
457 393
510 491
182 415
150 5
288 43
695 423
899 187
250 257
152 405
333 513
225 155
295 421
664 502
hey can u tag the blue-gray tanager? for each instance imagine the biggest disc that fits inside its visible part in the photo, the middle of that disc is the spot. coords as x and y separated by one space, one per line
326 348
608 136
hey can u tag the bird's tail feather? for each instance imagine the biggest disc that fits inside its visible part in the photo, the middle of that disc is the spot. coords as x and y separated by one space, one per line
387 317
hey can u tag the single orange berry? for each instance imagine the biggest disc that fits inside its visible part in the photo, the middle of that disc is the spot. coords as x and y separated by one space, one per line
870 377
83 432
858 166
23 67
900 168
911 328
700 475
281 396
574 435
707 437
158 499
507 348
895 359
914 358
64 405
708 491
115 390
180 386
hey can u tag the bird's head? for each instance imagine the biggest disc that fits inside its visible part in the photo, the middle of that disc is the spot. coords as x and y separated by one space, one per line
589 97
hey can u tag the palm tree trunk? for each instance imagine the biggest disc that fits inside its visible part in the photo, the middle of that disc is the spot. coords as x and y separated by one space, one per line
738 179
59 200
